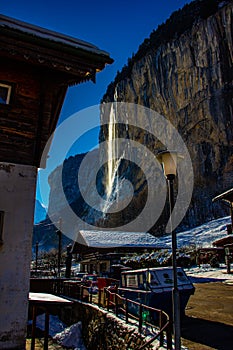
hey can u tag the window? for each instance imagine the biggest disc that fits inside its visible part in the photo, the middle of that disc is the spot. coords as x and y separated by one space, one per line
5 93
1 226
132 281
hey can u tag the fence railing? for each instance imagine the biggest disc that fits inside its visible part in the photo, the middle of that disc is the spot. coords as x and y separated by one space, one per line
131 310
143 314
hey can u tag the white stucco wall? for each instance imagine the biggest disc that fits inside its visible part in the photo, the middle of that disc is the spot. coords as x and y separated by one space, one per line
17 198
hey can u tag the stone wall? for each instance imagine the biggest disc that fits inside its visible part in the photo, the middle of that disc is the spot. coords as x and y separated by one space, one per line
102 330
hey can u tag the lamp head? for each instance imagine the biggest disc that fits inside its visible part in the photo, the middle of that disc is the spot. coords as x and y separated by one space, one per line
168 159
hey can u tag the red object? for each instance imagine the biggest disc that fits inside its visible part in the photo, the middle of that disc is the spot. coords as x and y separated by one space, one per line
103 282
90 280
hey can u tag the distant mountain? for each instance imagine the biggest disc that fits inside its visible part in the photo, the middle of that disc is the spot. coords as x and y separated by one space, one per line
45 233
40 212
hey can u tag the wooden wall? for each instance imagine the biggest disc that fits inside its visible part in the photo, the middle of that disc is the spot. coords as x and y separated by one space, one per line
31 116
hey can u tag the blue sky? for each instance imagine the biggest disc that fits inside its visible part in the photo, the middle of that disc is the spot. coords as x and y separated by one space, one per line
118 27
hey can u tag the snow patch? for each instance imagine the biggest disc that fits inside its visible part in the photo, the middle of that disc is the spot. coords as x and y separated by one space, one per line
71 337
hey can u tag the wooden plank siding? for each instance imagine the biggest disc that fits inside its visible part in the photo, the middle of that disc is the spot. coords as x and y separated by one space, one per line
39 65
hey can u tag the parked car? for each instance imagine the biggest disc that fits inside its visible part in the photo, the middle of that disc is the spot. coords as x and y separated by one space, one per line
79 276
90 280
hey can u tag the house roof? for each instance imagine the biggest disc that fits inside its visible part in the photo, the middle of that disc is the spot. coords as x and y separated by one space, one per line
227 196
223 241
36 31
113 239
25 42
50 62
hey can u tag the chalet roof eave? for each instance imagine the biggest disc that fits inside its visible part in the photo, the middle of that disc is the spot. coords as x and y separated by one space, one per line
15 25
78 59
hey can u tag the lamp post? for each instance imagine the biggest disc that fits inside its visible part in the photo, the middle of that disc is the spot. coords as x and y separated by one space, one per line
168 159
37 247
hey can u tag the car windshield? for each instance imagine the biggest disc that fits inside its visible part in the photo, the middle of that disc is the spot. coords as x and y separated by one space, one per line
91 278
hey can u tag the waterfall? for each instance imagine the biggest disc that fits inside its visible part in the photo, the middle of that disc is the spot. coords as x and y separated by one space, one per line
112 181
112 151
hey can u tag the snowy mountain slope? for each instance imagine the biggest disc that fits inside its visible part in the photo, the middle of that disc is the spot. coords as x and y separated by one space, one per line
201 236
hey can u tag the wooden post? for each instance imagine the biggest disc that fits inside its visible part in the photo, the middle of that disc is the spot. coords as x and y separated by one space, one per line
228 260
90 294
99 296
107 295
81 294
46 330
33 327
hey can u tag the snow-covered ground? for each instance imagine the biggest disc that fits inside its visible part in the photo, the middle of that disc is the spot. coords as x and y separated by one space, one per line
206 273
201 236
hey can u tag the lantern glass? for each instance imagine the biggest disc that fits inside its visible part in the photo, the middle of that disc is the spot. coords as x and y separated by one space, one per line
169 161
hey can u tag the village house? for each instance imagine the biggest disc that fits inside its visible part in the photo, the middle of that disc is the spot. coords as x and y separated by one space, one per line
101 251
36 68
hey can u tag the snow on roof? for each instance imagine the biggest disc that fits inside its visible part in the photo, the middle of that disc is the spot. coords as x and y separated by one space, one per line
8 22
111 239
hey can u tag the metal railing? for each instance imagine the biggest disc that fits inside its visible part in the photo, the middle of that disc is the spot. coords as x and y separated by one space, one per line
131 310
143 314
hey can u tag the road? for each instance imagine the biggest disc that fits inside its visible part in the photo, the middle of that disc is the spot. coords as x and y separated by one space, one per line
209 318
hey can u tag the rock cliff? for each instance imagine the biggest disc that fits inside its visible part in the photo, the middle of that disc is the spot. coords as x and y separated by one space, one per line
184 71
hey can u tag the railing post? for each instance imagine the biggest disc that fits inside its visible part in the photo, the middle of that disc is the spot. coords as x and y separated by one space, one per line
161 319
107 295
140 318
126 311
81 294
99 296
169 336
116 304
90 295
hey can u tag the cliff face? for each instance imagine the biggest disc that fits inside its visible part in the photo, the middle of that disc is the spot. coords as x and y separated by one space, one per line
184 71
189 80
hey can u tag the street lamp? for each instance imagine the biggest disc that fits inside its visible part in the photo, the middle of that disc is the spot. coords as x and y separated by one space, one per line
168 159
37 248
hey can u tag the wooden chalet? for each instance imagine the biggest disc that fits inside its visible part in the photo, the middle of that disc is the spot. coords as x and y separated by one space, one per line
101 251
227 199
36 68
222 242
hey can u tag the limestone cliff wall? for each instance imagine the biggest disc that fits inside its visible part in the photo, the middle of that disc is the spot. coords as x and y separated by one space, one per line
189 80
185 73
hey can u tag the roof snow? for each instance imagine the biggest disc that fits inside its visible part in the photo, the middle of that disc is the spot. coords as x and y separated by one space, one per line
111 239
8 22
201 236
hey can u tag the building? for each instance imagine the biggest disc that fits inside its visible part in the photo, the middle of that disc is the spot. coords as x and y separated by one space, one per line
36 68
101 251
227 199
